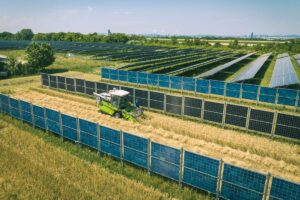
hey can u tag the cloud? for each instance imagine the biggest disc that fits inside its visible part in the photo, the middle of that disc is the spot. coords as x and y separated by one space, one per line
90 8
122 12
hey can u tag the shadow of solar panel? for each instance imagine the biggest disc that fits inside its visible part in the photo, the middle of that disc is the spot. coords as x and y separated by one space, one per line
152 79
79 82
52 115
164 81
212 106
45 82
261 115
70 133
289 120
165 168
260 126
213 117
287 131
53 127
109 134
202 86
110 148
244 178
112 87
90 84
88 139
282 189
101 87
88 127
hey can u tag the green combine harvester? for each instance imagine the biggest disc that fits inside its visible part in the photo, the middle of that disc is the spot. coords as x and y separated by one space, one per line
116 103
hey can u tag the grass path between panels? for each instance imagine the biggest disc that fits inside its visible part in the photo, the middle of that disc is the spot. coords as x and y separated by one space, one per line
39 165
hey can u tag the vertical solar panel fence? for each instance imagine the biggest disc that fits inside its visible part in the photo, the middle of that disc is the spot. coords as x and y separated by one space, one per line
201 172
53 121
261 121
236 115
191 169
110 141
257 93
61 82
136 150
283 189
165 161
53 81
88 133
196 108
288 126
213 112
239 183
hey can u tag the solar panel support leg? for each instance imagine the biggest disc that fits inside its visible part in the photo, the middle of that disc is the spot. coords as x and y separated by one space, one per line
274 124
45 119
220 178
248 119
297 101
181 167
98 139
267 187
60 126
121 147
78 131
224 114
32 115
149 156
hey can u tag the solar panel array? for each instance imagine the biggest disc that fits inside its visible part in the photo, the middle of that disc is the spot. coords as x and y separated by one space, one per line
252 68
282 55
224 66
284 73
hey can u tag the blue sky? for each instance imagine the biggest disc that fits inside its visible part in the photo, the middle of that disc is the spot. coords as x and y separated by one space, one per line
217 17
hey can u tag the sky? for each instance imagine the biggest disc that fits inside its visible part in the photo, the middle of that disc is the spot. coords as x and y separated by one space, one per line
174 17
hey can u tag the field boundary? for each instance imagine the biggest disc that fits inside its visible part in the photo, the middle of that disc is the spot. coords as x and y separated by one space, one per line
185 167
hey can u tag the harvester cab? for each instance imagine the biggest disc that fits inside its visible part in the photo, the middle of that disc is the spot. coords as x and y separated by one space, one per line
116 103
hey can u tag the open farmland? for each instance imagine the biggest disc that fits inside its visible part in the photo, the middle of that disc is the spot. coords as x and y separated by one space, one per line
251 151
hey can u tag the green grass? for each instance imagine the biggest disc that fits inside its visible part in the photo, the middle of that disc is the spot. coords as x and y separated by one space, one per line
111 165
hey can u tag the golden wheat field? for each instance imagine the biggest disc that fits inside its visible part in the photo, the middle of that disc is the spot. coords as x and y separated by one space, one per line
34 169
250 151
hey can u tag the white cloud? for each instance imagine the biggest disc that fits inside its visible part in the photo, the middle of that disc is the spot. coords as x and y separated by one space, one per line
90 8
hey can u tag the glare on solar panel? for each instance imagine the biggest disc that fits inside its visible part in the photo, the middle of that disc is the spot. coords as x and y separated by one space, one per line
224 66
284 73
252 68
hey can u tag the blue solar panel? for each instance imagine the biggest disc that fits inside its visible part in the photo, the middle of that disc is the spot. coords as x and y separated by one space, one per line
203 86
38 111
153 79
165 153
282 189
88 139
26 116
88 127
188 83
109 134
165 169
164 81
25 106
53 127
14 103
142 78
176 82
135 142
52 115
70 133
110 148
123 75
132 77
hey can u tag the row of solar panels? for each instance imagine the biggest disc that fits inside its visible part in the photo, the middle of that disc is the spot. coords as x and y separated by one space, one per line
284 73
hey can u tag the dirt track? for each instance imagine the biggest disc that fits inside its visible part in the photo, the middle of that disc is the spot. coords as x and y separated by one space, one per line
250 151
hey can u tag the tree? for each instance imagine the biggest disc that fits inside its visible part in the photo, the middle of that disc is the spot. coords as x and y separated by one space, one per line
24 34
11 65
174 40
6 36
39 56
217 44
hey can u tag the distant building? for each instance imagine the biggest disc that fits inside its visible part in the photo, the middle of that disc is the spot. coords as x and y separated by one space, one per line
252 35
108 32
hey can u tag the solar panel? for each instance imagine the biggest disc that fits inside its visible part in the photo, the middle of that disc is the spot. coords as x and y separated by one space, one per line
297 56
282 55
224 66
284 73
252 68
